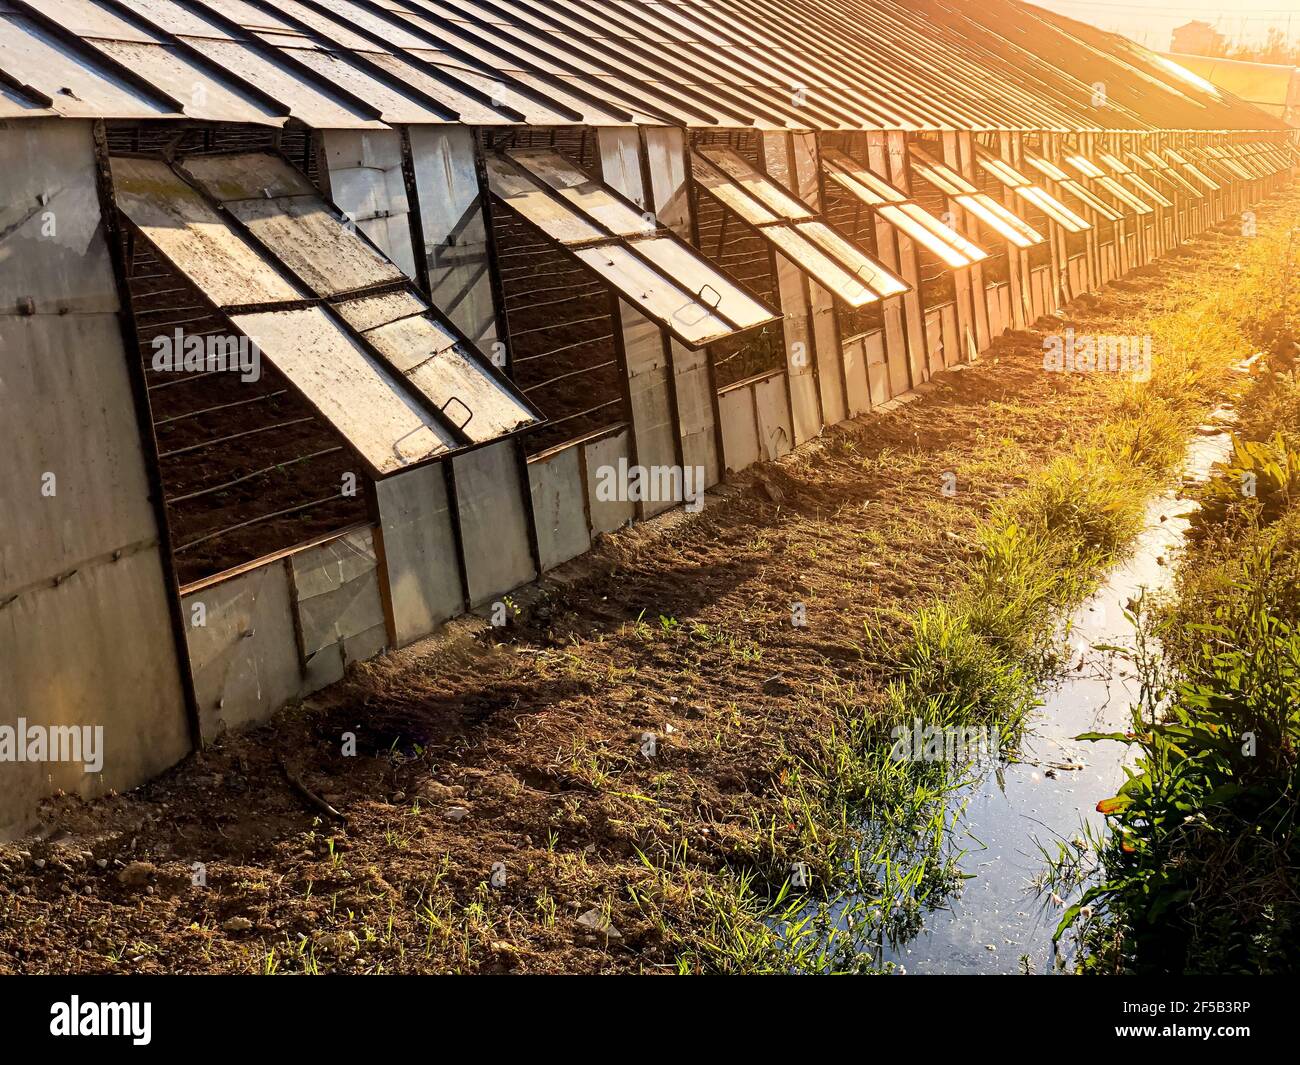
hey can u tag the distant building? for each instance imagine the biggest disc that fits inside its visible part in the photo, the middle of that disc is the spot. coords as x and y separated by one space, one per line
1272 87
1198 38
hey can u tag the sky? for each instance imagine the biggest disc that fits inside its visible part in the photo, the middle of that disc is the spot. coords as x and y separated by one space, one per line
1151 22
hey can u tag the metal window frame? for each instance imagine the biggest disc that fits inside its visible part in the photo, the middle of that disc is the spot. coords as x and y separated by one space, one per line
1027 190
995 216
806 240
1165 172
901 211
1073 186
411 395
1088 170
602 236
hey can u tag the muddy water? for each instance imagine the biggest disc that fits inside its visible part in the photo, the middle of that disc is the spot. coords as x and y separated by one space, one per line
999 923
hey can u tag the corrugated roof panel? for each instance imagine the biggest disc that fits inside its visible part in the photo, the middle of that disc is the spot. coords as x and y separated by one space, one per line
194 237
15 104
397 107
357 395
502 73
72 82
203 96
1183 102
520 43
817 64
332 51
771 32
171 17
573 94
503 90
390 29
336 25
88 19
736 57
250 16
305 101
470 110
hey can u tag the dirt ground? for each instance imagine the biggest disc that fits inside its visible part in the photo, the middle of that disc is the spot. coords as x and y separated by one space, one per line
524 746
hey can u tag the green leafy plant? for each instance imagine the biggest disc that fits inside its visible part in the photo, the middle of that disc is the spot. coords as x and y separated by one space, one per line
1257 485
1198 873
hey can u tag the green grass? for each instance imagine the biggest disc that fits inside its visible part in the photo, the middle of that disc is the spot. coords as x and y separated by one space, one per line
875 830
1042 548
1198 875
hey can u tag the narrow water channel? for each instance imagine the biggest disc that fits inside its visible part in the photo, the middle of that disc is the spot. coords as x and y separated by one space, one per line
999 923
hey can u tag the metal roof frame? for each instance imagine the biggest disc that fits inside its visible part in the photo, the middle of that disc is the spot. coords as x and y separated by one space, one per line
290 291
632 242
769 64
793 228
900 210
1027 190
993 215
